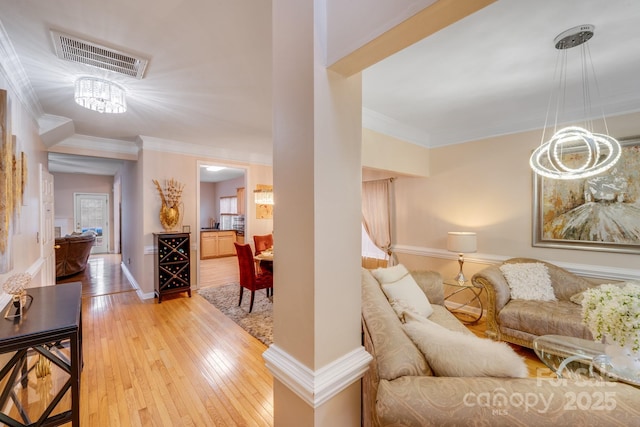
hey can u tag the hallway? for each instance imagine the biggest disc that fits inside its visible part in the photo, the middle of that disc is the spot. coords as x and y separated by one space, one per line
103 276
181 362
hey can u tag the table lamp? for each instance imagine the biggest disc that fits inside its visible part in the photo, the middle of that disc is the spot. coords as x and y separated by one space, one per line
461 242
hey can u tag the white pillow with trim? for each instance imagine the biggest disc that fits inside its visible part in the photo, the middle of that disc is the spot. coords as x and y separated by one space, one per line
390 274
401 289
407 292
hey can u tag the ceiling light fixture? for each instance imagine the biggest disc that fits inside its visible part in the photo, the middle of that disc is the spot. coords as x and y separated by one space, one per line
215 168
562 157
100 95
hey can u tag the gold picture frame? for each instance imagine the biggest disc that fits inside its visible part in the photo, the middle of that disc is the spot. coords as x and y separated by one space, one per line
600 213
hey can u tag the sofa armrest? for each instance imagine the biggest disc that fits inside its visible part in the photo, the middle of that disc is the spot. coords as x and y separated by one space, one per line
493 281
431 284
498 295
446 401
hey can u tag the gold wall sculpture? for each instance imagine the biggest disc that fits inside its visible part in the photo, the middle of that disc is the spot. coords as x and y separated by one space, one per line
6 184
171 197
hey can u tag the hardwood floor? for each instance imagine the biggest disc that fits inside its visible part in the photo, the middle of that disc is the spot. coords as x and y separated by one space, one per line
219 271
181 362
102 276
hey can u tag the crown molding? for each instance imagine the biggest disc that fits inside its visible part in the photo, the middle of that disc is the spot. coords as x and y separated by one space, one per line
388 126
316 387
17 79
196 150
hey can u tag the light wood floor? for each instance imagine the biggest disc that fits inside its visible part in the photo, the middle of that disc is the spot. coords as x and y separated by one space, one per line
218 271
179 363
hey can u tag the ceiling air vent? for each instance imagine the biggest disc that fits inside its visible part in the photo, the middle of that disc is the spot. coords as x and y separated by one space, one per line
81 51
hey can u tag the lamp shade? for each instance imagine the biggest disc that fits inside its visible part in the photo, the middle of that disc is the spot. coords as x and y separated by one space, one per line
461 241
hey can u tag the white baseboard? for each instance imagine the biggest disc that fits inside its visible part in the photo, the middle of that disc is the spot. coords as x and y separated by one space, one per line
135 284
316 387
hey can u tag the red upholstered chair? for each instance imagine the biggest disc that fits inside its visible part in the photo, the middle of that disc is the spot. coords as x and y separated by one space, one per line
248 277
262 243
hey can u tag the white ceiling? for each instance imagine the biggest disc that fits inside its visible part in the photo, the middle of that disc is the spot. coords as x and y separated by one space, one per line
208 81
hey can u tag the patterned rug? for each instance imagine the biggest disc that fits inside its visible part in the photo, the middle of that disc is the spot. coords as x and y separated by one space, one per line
259 323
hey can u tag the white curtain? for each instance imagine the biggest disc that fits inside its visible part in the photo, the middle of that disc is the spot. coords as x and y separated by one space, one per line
376 214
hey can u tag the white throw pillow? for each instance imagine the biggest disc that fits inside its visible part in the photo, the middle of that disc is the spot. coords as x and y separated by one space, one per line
407 292
390 274
529 281
454 354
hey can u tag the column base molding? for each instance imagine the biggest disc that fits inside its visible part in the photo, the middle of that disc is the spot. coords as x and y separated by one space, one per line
317 387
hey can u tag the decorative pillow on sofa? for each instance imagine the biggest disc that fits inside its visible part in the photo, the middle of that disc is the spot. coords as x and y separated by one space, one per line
529 281
390 274
454 354
402 290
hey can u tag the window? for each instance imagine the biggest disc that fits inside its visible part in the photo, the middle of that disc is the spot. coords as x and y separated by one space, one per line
228 211
228 205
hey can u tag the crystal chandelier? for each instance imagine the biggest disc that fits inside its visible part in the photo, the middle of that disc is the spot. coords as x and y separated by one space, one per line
598 152
100 95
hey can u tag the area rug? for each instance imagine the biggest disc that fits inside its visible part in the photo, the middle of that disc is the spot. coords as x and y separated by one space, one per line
259 323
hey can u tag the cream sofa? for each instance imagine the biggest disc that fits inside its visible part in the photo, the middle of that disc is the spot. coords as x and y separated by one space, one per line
521 321
399 389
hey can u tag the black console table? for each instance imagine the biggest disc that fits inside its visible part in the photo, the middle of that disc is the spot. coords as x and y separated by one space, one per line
52 322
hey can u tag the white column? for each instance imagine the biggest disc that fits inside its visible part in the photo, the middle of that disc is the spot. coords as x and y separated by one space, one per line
317 357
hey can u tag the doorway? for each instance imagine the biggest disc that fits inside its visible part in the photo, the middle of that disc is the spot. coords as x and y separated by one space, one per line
91 212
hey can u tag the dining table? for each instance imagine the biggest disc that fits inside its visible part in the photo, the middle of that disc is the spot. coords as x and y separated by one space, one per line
264 260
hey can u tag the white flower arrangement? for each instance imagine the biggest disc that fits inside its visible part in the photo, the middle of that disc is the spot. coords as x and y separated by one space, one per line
614 311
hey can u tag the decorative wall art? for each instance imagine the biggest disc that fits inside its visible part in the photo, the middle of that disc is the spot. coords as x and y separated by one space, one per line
263 210
6 184
600 213
171 196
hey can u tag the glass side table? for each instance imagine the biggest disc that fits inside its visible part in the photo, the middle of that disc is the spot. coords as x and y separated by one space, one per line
568 357
472 301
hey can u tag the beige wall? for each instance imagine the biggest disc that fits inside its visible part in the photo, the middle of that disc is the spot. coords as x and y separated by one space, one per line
24 246
487 187
160 165
386 153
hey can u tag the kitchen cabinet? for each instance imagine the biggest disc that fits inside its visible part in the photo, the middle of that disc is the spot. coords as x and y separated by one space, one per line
217 243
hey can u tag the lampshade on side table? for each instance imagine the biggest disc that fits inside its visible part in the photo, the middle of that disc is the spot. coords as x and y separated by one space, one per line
463 242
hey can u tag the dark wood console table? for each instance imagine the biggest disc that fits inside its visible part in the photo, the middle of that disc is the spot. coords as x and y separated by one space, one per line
53 322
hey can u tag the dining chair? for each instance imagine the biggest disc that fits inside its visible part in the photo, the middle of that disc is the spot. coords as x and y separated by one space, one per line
262 243
248 277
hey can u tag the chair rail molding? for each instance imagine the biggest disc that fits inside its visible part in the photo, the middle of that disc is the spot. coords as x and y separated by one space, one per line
584 270
316 387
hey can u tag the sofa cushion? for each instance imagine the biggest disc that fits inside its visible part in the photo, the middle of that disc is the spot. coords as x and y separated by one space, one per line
544 318
389 274
529 281
402 290
455 354
395 353
407 293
